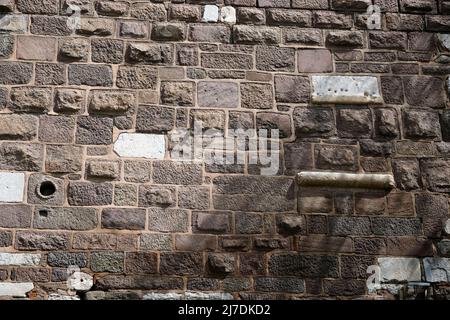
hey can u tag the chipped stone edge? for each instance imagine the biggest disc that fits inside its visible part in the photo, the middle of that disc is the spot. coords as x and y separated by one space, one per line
346 100
345 180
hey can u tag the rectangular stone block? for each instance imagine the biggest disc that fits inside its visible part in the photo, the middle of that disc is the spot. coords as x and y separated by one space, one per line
394 269
345 89
42 240
15 289
128 219
19 259
11 186
168 220
140 145
36 48
65 218
21 157
437 269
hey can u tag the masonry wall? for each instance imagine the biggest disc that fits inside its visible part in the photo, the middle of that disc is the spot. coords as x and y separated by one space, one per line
89 106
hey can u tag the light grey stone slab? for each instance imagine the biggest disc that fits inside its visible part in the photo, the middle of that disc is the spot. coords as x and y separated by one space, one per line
345 89
11 186
19 259
140 145
437 269
15 289
397 269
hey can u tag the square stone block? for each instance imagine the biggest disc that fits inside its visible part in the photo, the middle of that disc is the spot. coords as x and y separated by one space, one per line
11 186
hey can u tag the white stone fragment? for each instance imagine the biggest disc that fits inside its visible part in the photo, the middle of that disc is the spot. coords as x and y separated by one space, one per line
399 269
195 295
211 13
389 287
58 296
447 227
80 281
162 296
13 23
437 269
15 289
345 180
345 89
140 145
228 14
11 186
444 40
19 259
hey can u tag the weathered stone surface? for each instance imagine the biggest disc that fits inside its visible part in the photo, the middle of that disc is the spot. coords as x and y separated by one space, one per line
90 75
168 220
69 100
94 130
424 91
17 127
144 53
152 196
36 48
337 158
136 77
292 89
76 49
64 218
90 194
19 259
162 242
15 72
66 259
21 157
250 34
128 219
256 96
31 99
399 269
218 95
63 159
110 102
42 240
16 289
181 263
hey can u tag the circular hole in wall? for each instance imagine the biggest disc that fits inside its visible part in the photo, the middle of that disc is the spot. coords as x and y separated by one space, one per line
47 189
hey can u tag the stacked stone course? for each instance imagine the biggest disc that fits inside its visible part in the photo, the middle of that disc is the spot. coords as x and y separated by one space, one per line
87 178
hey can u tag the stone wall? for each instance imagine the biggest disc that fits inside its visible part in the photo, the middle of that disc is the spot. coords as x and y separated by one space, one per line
95 205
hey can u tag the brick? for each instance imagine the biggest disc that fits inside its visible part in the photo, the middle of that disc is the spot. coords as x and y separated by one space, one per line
292 89
50 74
195 242
136 77
209 33
90 194
57 129
42 240
177 93
123 219
137 171
94 241
73 49
152 241
155 119
90 75
50 25
15 216
140 262
286 264
66 259
217 95
125 195
181 263
431 89
36 48
221 263
214 222
69 100
256 96
139 282
255 34
156 196
339 158
107 51
31 99
343 226
63 159
17 127
133 29
168 220
21 157
103 169
15 72
354 123
396 226
65 218
94 130
226 61
106 261
193 198
167 172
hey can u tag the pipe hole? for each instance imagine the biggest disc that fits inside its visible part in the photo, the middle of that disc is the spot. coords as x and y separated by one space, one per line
47 189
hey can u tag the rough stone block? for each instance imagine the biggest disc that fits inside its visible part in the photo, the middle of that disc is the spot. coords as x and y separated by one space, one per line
218 95
168 220
31 99
17 127
123 219
94 130
90 194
